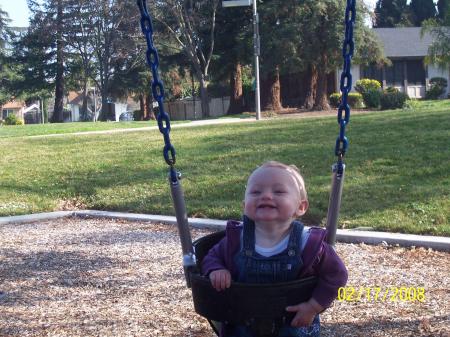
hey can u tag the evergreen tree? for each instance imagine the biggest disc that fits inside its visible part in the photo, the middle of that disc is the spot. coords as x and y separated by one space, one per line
443 9
36 53
5 71
390 13
422 10
233 50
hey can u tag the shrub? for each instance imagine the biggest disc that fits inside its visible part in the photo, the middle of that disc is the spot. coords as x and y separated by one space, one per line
370 91
437 88
411 104
13 120
335 99
392 90
365 84
372 98
354 99
393 99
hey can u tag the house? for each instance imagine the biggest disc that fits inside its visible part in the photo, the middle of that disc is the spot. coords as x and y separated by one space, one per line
13 107
29 114
406 49
74 103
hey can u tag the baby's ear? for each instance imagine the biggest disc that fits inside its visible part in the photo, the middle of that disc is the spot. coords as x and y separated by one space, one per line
302 208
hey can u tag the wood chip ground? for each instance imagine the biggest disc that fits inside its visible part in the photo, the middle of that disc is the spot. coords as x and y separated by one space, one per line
97 277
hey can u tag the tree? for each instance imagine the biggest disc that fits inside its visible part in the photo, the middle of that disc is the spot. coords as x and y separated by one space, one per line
391 13
439 50
443 9
78 35
114 29
35 58
58 111
192 25
321 44
422 10
280 22
5 71
233 50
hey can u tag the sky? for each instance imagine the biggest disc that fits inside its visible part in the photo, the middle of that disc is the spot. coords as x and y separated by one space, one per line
18 11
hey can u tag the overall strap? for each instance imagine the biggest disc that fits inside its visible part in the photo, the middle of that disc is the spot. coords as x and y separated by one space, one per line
248 242
295 239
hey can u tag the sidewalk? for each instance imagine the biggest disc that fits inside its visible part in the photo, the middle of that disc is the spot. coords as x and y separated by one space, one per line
342 235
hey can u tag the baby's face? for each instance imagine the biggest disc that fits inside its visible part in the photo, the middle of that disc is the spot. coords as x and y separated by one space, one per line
273 197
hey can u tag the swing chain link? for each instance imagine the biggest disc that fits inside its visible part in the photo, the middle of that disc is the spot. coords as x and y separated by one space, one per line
157 86
346 79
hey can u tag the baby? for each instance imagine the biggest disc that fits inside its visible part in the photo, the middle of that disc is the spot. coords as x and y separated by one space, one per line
269 246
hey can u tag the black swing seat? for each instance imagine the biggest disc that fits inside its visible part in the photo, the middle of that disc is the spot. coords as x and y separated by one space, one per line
242 302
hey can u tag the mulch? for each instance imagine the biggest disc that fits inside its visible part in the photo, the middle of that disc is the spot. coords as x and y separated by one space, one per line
98 277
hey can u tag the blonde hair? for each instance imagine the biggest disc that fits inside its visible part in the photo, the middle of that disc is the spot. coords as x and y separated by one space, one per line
293 171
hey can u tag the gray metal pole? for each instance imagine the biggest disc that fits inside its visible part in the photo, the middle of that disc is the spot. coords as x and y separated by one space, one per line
337 183
256 48
183 228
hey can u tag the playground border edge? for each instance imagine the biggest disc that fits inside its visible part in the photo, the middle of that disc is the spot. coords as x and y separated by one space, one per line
343 235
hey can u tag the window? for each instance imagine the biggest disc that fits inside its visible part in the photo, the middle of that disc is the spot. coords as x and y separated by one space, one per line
394 74
373 72
7 112
415 72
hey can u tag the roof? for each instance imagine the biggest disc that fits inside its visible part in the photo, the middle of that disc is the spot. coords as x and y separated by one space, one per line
13 105
404 41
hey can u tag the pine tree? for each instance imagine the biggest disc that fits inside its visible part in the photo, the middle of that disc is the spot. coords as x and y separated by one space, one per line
389 13
422 10
443 9
4 69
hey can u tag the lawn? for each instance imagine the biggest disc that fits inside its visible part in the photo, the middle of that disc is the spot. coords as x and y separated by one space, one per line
397 176
62 128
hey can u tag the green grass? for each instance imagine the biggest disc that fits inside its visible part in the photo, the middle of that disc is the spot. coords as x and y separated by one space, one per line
63 128
397 177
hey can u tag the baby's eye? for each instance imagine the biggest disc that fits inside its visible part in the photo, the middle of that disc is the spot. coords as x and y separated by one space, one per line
280 191
255 192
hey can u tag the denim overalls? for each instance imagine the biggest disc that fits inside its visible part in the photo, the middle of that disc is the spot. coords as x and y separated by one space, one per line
255 268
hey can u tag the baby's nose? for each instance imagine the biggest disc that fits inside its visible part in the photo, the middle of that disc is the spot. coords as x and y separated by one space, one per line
267 195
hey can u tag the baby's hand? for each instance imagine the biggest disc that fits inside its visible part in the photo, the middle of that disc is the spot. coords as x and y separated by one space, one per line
306 312
220 279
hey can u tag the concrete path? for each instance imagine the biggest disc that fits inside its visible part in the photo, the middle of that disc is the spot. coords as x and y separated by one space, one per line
342 235
148 128
305 114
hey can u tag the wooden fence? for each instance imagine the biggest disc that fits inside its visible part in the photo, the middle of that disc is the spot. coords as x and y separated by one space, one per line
189 109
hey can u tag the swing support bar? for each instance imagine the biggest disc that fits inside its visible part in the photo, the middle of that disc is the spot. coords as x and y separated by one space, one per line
337 183
189 261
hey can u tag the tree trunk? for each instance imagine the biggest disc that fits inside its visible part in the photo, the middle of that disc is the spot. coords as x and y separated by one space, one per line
105 113
311 87
149 114
45 109
142 107
84 108
236 97
204 96
58 112
321 101
273 101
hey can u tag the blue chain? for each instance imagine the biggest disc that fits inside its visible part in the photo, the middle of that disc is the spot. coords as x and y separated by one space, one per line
157 86
346 79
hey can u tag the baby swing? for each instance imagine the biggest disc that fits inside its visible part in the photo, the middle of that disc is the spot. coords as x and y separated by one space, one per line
260 305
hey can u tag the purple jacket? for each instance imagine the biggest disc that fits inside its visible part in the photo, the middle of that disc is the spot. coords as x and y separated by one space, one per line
319 259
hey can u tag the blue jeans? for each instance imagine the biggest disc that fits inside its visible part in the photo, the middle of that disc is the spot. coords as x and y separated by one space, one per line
254 268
